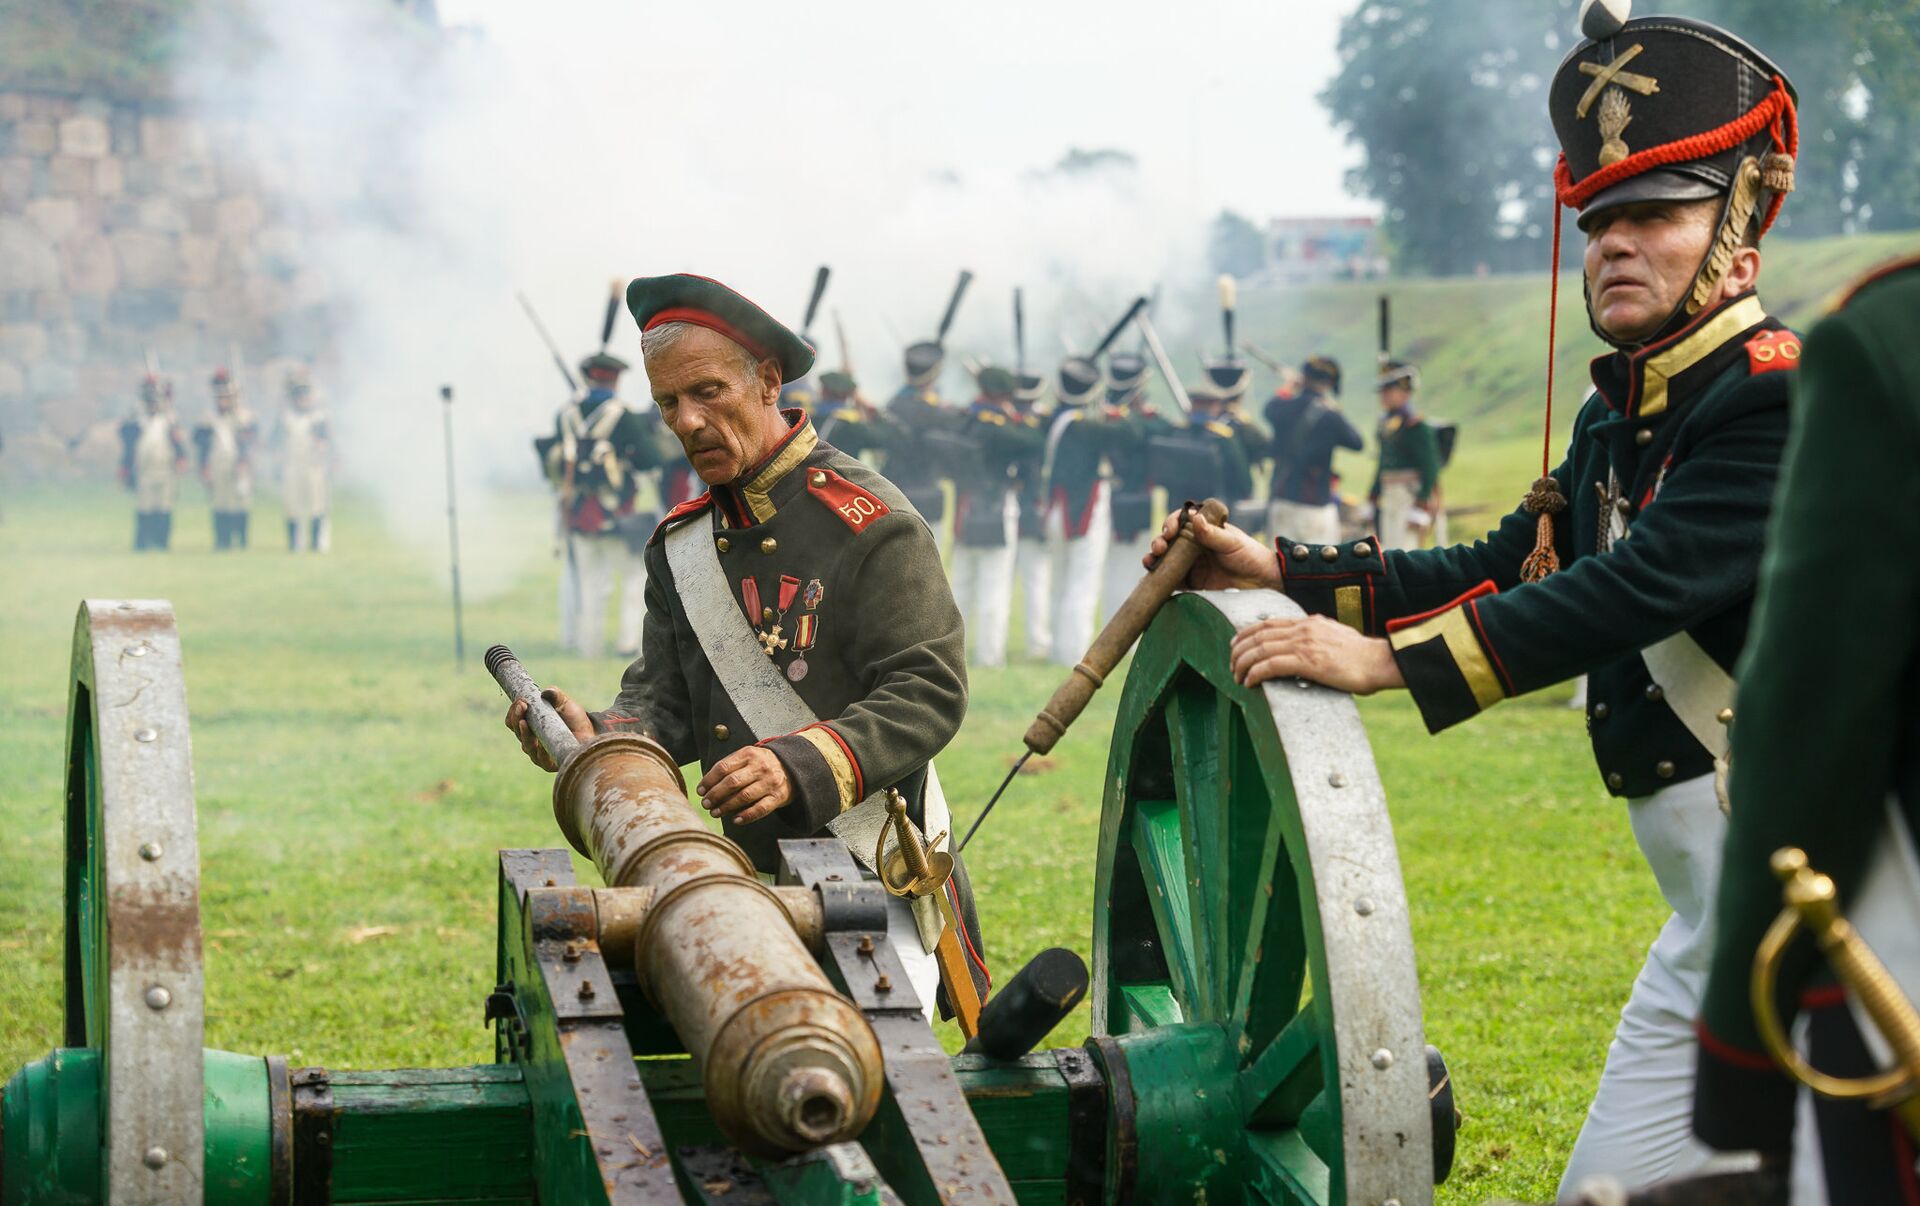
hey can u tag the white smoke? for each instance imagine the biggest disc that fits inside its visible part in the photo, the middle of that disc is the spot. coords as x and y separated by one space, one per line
552 148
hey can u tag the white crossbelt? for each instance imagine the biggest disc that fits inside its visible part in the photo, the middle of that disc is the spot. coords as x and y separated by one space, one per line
1696 688
770 706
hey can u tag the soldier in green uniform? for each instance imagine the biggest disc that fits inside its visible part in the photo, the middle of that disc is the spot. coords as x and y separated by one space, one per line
1133 477
1205 457
1032 563
1308 426
1826 749
1230 380
987 512
1679 445
908 431
842 417
801 560
1406 486
1081 435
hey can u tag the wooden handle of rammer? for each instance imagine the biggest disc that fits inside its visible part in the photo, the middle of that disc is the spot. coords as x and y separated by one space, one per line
1122 630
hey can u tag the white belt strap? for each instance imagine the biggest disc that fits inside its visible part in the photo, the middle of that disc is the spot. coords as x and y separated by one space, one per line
768 703
1695 687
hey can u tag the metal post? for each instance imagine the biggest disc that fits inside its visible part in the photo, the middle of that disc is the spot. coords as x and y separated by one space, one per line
453 533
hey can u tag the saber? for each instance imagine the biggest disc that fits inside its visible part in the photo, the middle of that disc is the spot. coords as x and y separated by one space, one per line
953 307
1152 339
559 361
1019 332
813 303
1112 643
1386 329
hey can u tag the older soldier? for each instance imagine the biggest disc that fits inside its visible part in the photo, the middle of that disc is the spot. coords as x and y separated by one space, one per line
1405 492
153 454
225 447
1307 427
987 513
1680 445
307 445
1840 781
801 560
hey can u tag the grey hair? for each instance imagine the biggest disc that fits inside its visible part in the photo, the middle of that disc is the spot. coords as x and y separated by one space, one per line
664 336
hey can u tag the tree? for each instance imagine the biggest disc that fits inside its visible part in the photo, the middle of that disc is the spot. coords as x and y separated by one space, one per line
1236 246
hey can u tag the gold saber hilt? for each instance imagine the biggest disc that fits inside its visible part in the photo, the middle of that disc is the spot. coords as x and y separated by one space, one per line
915 869
1813 904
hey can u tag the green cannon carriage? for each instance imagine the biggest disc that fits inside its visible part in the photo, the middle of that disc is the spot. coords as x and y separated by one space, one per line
1257 1033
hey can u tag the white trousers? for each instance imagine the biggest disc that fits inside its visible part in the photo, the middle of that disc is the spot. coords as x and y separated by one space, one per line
1123 571
1299 523
983 587
1639 1128
1078 565
1033 566
601 562
1402 524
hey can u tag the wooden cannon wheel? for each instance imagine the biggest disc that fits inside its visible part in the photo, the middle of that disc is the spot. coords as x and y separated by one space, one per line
1253 964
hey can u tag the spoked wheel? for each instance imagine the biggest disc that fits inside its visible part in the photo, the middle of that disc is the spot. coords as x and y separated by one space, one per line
135 990
1253 963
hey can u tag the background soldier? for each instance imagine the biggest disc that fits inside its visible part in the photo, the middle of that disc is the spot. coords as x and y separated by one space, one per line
1079 502
1228 381
601 452
153 454
1032 563
308 449
1204 458
1130 455
919 432
843 418
986 513
225 447
1406 486
1850 796
1307 427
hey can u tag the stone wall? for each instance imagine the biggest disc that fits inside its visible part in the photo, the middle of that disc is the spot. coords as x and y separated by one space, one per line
127 229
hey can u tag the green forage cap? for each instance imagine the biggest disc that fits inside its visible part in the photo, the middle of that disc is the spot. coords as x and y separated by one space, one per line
683 297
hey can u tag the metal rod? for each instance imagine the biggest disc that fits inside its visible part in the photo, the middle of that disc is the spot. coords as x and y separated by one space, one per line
1000 791
541 717
453 533
559 361
1152 339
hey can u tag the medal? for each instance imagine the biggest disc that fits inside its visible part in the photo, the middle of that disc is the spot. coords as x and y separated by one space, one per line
815 593
797 668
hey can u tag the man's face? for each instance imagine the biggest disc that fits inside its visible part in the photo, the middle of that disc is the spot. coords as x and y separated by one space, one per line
726 418
1641 260
1395 397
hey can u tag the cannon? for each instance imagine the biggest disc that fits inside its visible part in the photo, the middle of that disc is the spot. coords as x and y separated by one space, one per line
686 1032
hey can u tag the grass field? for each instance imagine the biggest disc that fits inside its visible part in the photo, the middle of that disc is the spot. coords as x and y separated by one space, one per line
353 786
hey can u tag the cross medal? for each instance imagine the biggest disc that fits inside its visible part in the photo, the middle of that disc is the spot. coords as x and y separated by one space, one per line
771 640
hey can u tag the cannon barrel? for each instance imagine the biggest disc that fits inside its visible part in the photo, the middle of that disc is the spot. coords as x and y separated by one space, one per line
788 1063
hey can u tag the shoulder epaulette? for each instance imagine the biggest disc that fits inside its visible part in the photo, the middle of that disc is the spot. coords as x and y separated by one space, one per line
1891 268
856 507
1223 430
693 506
1771 351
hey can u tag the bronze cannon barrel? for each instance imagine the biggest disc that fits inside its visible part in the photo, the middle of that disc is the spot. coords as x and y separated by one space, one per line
788 1063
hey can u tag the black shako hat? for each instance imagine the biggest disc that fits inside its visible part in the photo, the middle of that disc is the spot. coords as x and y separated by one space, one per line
1029 388
603 365
683 297
1668 109
1126 372
1229 377
924 361
1080 379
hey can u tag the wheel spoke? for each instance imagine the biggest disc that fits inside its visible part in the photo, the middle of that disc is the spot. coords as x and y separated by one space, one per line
1195 729
1284 1169
1157 839
1283 1079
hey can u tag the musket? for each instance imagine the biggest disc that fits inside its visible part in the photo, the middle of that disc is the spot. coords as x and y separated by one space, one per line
1019 332
1229 295
953 307
615 292
1151 338
453 532
1386 329
1139 304
813 302
1271 361
846 352
559 361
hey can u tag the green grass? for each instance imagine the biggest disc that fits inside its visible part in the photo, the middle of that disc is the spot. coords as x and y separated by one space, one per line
350 781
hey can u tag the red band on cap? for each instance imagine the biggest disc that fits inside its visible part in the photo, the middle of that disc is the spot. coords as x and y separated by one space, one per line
711 321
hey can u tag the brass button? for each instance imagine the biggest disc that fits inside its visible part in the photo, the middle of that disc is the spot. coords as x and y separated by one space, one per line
769 545
721 732
1601 711
819 477
1654 693
1663 768
1329 553
1363 549
1725 716
1301 550
1643 437
1616 780
766 613
722 544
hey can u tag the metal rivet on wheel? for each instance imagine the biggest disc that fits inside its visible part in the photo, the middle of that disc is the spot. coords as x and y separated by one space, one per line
1363 906
151 851
1336 779
146 735
1381 1059
137 650
156 1157
158 997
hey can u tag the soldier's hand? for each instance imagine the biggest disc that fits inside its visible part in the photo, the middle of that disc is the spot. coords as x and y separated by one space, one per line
1317 649
745 785
1228 557
572 713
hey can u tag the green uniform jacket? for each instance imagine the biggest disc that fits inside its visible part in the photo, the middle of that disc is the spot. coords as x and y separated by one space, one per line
919 434
1406 442
1002 438
1682 440
1130 456
1079 440
1204 459
1829 701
